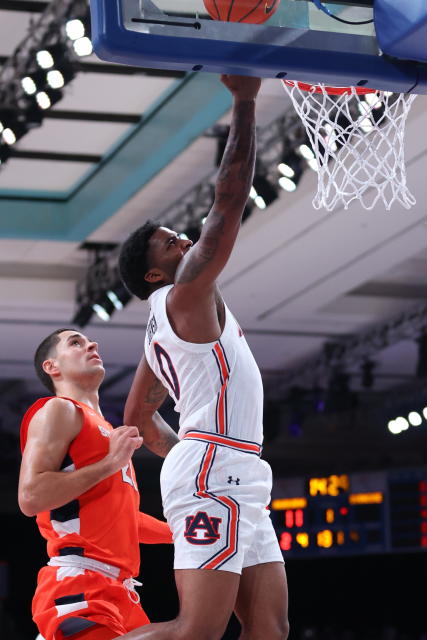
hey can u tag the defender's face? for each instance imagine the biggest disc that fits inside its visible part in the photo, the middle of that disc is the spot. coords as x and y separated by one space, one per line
75 356
166 250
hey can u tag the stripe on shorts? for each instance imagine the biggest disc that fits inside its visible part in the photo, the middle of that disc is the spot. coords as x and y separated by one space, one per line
224 374
232 507
245 446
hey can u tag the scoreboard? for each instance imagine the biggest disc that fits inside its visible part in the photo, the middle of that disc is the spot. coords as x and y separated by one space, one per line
349 514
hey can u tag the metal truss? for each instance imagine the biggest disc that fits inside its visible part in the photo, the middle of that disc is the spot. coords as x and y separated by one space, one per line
46 30
348 353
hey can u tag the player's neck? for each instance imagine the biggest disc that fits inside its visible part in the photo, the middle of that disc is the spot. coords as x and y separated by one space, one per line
84 394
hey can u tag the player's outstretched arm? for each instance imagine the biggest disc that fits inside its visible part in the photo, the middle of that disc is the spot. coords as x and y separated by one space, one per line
42 486
202 265
145 396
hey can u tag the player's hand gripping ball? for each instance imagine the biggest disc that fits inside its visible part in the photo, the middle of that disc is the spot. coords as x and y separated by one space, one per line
249 11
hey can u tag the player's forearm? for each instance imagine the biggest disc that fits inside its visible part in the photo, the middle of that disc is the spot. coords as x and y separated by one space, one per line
158 435
210 254
237 166
52 489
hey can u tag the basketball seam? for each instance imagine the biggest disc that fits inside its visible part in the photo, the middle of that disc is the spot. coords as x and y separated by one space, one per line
217 10
251 11
230 9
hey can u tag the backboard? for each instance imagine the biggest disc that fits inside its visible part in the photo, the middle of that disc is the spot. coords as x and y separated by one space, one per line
300 41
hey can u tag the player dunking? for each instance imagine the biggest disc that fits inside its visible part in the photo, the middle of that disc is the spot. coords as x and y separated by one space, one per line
215 487
77 477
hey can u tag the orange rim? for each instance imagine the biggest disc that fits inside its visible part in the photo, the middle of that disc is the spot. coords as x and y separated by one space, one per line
332 91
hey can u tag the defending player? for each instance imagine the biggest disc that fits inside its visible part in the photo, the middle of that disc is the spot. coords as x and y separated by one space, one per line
77 477
215 487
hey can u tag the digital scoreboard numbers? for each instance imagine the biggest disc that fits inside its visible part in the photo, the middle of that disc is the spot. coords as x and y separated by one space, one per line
337 514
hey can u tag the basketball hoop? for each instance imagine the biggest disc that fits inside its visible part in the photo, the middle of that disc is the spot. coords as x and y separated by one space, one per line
357 136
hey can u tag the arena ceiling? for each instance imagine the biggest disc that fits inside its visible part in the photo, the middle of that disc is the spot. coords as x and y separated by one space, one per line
124 145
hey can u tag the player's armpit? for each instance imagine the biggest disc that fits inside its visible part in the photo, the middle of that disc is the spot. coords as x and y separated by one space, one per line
153 531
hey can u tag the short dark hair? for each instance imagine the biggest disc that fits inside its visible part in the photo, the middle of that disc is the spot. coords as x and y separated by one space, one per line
133 260
42 353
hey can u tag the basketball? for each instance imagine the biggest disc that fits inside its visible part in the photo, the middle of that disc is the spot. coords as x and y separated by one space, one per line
249 11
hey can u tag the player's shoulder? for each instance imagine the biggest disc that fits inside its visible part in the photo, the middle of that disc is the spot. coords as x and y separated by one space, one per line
62 405
59 411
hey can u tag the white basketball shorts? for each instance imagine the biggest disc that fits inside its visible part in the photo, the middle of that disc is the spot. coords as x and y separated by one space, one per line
215 492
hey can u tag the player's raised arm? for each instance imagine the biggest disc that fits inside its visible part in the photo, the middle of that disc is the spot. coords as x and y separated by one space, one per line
145 396
202 265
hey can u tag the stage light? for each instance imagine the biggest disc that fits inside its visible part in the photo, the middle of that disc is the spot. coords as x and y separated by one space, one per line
306 151
373 100
44 59
263 192
100 312
401 423
259 202
75 29
83 46
103 307
122 293
286 170
33 82
13 131
46 99
415 419
114 299
291 170
393 428
8 136
51 56
119 296
287 184
55 79
29 85
43 100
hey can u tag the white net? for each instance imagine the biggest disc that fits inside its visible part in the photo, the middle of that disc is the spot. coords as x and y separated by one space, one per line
358 141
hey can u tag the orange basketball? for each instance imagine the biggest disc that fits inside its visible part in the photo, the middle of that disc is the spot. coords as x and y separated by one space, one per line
250 11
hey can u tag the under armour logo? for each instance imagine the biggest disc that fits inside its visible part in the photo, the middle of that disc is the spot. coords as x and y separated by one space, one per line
201 528
231 480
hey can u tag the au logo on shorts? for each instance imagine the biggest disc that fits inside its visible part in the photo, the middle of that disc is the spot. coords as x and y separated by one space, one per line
201 528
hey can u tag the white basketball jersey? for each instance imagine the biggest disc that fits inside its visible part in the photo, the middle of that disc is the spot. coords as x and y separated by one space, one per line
216 386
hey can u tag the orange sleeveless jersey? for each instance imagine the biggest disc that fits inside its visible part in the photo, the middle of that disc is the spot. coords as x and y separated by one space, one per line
104 523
